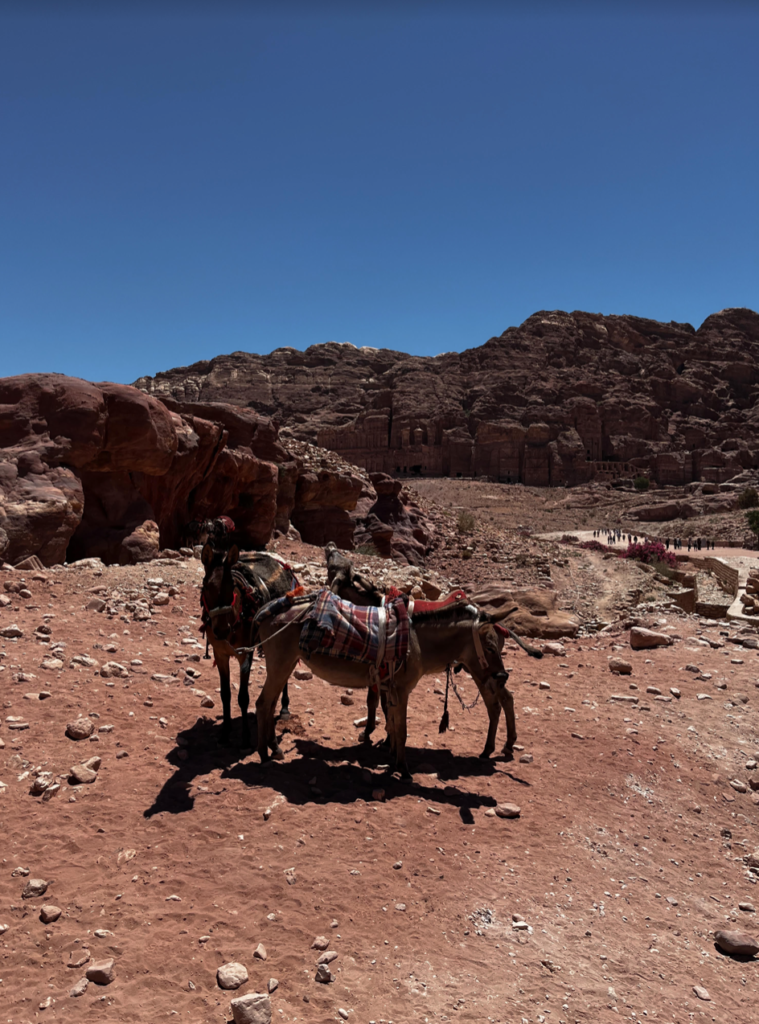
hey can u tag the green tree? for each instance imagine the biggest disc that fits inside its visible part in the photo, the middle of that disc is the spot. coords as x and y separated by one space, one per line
749 498
642 483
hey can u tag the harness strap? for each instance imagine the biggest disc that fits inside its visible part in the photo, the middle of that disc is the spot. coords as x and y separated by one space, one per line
478 645
382 635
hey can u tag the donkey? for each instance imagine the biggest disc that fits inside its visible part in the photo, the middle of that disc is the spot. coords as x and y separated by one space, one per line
457 634
233 591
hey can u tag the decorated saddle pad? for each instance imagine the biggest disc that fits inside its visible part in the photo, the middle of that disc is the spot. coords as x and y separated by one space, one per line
371 636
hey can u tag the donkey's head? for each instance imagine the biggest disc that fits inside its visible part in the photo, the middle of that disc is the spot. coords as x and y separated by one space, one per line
219 600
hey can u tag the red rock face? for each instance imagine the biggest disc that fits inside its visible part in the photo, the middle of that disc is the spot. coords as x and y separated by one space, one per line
105 470
562 399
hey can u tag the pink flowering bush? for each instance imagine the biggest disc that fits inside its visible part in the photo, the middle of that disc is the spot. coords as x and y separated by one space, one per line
595 545
650 552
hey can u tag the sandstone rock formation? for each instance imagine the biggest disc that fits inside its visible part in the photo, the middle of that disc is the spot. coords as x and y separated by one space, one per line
105 470
562 399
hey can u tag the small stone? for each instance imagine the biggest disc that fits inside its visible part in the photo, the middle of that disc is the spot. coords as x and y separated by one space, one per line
320 942
360 722
34 887
101 971
324 975
398 865
508 810
51 664
115 670
347 701
231 975
490 812
334 923
642 639
343 1013
80 729
654 690
80 988
290 876
49 913
253 1008
675 692
747 908
102 933
207 702
260 951
303 674
543 685
701 993
526 759
161 598
11 632
736 942
328 957
81 775
273 985
121 753
620 667
4 928
738 786
96 604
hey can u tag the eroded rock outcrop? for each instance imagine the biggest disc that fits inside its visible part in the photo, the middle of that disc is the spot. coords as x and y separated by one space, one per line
563 399
105 470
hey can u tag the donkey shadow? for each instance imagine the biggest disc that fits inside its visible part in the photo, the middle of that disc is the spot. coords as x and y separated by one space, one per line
320 774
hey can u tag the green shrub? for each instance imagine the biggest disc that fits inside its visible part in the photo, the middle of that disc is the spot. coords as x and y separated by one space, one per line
752 518
368 549
466 522
749 498
642 483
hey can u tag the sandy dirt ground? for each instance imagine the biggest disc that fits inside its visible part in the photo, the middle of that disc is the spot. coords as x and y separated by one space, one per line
629 851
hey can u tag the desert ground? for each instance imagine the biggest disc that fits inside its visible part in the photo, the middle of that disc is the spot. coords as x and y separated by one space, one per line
638 816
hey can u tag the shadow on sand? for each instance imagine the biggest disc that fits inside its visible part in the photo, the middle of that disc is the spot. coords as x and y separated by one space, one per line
336 775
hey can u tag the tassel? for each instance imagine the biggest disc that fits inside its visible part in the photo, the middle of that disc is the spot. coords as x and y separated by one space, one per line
445 720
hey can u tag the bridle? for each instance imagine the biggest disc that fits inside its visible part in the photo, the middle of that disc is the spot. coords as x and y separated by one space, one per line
224 609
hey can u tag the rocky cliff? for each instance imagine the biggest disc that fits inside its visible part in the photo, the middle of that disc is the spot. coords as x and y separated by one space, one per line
105 470
563 399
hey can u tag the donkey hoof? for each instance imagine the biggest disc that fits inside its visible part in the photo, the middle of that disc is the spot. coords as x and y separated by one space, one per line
284 714
277 754
485 755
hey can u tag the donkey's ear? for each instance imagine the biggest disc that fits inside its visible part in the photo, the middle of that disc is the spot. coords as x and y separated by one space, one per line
206 555
233 555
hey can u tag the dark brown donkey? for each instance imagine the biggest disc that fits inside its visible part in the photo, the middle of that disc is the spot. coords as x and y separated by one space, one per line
234 588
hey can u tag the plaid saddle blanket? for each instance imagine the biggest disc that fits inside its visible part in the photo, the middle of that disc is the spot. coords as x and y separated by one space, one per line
371 636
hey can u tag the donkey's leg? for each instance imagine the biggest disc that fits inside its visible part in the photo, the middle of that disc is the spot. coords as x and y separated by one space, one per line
243 699
490 697
397 731
267 701
506 699
372 700
222 662
284 711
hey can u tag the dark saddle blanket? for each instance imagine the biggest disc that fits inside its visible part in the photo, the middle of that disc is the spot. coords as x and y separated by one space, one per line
370 636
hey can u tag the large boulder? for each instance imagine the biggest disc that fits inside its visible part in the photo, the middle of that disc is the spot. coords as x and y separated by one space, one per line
537 613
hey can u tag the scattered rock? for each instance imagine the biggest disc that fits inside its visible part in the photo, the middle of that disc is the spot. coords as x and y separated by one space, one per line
736 942
80 729
620 666
738 786
543 685
320 942
508 810
747 908
642 639
290 876
80 988
49 913
260 951
115 670
324 974
34 887
101 971
330 955
701 993
526 759
11 632
303 674
231 975
554 647
96 604
347 701
253 1008
273 985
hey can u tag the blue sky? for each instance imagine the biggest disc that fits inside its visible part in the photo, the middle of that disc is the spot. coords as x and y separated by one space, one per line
182 180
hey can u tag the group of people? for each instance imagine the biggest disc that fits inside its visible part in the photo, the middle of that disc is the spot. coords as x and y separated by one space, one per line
614 536
693 543
676 543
